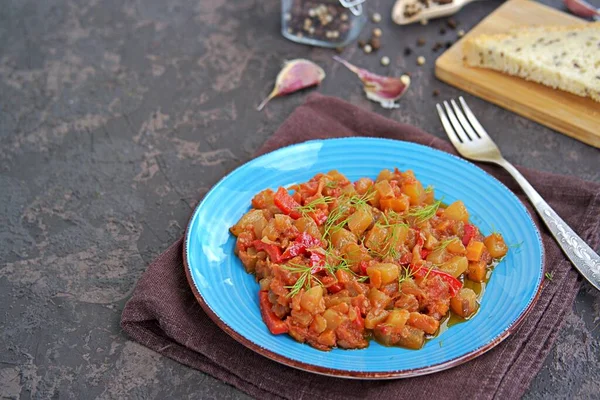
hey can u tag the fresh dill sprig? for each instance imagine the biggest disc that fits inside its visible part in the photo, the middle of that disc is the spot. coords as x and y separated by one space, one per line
424 213
404 274
334 221
516 246
444 243
390 241
303 281
331 184
312 206
549 275
344 266
429 189
388 220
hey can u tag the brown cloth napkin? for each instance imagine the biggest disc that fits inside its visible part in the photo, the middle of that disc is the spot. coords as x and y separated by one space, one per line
164 315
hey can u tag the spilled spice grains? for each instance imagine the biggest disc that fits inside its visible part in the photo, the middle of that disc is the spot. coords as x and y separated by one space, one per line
375 43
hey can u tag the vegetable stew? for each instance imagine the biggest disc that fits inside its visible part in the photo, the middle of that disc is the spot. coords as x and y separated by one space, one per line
340 262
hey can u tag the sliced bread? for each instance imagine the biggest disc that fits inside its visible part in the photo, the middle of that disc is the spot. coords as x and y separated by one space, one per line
563 57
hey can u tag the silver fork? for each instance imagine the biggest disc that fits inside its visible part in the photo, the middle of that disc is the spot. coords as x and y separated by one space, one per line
472 142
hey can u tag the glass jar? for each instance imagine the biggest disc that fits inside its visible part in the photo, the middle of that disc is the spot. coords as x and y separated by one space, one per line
325 23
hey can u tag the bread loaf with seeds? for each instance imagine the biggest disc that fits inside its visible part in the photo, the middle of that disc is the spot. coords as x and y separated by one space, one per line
562 57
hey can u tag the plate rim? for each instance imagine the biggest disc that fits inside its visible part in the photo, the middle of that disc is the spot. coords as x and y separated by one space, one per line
357 374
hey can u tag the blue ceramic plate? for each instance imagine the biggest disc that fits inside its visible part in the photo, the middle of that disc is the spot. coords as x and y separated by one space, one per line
229 295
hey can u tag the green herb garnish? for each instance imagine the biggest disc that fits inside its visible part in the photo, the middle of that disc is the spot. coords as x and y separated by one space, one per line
304 280
422 214
312 206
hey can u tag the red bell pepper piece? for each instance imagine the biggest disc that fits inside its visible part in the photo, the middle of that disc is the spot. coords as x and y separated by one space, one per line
359 322
302 243
272 250
336 287
420 240
420 271
363 267
293 250
275 325
319 216
308 241
470 232
406 258
286 203
317 262
425 253
310 187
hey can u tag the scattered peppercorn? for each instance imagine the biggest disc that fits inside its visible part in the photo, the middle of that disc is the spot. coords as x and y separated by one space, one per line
376 18
436 47
436 93
385 61
420 42
321 22
451 23
339 50
448 45
377 32
442 31
375 43
420 60
361 43
460 33
407 51
367 48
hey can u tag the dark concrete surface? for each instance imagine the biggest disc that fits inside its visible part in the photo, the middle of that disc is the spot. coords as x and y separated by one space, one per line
117 116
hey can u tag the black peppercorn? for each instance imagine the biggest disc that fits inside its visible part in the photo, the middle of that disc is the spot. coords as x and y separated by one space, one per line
375 43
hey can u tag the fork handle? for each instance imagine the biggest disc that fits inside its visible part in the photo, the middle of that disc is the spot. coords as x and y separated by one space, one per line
581 255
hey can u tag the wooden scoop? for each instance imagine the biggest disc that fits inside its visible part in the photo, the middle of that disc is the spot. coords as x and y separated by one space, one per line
433 11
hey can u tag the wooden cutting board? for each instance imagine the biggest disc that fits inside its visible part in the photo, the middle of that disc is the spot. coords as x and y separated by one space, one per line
572 115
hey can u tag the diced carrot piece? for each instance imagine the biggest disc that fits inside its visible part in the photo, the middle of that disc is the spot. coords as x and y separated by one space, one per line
375 278
475 250
385 204
342 276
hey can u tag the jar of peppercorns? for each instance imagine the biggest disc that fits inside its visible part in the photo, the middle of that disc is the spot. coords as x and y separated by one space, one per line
325 23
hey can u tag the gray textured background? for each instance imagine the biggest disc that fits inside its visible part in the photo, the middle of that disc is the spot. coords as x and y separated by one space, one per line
117 116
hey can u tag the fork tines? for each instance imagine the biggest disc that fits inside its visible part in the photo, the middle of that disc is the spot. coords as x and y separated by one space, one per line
459 122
